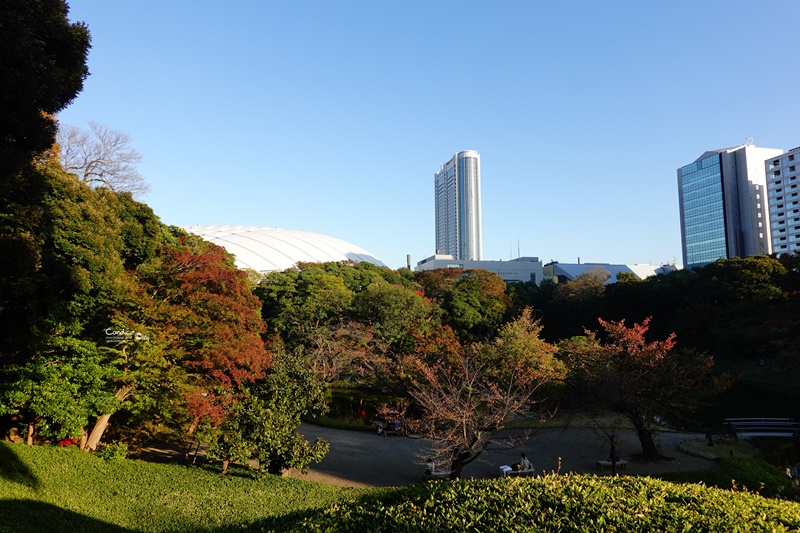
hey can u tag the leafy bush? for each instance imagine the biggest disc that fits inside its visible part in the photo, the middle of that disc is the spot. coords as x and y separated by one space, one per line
557 503
740 473
113 451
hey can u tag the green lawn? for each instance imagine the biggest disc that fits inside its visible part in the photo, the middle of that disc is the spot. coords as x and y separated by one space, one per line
44 488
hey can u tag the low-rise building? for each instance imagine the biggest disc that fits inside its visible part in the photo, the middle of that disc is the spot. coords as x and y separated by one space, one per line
563 272
520 269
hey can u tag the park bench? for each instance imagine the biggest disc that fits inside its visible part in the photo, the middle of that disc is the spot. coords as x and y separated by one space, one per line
507 471
621 465
435 475
387 430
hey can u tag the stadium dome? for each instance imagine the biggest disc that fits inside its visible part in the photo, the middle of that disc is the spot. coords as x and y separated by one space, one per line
272 249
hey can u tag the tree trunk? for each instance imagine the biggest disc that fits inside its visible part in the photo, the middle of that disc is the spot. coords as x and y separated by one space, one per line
613 456
84 437
457 463
101 423
99 428
31 433
225 464
645 434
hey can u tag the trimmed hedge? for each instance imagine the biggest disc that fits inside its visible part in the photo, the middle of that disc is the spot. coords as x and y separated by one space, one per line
741 473
557 503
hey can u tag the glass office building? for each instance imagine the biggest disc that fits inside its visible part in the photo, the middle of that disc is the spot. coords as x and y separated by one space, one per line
723 205
458 207
702 212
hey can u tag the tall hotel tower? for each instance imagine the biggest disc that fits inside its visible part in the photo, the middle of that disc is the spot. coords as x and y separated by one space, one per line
723 205
783 189
458 207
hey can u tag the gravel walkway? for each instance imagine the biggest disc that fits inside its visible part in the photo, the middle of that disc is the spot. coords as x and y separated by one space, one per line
361 459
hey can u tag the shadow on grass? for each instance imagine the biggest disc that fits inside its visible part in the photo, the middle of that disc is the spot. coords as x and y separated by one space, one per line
34 517
14 470
288 522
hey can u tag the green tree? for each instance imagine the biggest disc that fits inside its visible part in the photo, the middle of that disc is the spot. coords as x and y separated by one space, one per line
55 306
476 305
627 277
530 294
298 303
43 66
586 286
263 422
739 279
396 315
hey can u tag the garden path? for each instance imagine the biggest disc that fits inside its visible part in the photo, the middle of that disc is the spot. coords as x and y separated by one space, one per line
363 459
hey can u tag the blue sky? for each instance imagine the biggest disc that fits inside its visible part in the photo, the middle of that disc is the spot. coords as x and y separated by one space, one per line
334 116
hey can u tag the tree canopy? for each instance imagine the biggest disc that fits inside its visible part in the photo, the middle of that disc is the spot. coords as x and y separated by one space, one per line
44 65
642 380
469 396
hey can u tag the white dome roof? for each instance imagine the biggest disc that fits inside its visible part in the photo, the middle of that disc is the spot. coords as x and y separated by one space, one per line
271 249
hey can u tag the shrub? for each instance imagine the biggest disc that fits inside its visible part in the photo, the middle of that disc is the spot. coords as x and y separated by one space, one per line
113 451
557 503
743 474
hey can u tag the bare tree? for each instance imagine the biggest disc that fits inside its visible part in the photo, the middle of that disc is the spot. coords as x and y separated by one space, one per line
467 399
101 157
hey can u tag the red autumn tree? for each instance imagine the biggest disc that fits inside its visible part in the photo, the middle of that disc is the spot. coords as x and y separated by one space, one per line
621 371
203 327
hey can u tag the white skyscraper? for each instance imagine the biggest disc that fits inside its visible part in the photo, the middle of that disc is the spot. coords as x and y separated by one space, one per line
458 207
783 188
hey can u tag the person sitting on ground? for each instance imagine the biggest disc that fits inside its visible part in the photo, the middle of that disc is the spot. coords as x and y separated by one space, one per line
524 463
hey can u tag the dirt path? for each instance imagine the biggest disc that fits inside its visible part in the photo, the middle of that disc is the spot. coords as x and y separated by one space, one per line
366 460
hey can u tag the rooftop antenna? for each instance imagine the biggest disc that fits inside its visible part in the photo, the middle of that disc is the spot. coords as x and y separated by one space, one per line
518 255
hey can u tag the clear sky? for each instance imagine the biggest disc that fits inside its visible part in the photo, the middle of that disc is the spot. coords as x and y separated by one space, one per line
333 116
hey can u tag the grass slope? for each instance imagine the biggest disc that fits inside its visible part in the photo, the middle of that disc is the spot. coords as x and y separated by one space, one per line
44 488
